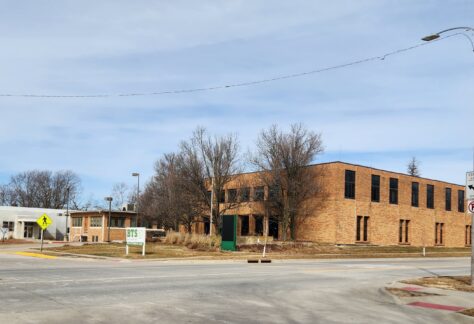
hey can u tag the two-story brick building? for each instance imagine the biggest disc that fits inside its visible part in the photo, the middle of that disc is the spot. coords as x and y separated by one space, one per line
360 205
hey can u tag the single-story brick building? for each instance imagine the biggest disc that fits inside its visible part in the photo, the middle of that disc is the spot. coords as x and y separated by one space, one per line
93 226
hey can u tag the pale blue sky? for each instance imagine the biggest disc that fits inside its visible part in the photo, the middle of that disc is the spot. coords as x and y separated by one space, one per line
379 113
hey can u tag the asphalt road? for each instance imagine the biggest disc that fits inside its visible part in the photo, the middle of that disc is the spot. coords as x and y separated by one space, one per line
34 290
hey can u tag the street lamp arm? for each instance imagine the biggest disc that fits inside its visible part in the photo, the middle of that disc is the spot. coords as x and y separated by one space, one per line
456 28
465 29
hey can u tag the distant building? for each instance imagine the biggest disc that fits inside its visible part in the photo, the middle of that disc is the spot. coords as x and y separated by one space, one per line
359 205
21 222
92 226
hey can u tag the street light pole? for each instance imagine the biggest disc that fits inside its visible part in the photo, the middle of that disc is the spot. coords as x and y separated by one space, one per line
67 213
109 199
428 39
136 174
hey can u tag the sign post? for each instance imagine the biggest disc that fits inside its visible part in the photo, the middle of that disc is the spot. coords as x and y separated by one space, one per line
44 221
470 207
135 236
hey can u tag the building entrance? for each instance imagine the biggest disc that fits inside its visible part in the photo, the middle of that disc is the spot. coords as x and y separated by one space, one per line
28 231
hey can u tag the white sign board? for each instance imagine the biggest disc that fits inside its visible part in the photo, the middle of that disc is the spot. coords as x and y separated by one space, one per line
470 206
136 235
470 185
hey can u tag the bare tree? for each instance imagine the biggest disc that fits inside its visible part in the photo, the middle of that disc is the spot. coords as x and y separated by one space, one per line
283 160
43 189
119 194
209 162
413 167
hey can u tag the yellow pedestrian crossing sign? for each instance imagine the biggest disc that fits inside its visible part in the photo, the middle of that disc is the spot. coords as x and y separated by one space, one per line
44 221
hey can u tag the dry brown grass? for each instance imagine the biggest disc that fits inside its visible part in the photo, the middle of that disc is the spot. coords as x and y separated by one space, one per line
468 312
408 293
193 241
188 246
462 283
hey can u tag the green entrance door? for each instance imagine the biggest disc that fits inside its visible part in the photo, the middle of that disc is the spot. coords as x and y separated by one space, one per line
229 233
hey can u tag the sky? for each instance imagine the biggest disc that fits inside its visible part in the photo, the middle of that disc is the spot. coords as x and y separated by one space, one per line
379 113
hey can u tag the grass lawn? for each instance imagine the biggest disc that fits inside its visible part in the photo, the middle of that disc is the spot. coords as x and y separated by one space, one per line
274 251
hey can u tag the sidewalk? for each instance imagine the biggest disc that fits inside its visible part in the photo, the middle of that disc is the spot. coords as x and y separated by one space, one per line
433 299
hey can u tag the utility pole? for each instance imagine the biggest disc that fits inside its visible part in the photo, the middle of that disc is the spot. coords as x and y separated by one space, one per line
67 212
212 203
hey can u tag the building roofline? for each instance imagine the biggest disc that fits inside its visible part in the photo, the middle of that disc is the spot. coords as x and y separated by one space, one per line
363 166
395 172
102 211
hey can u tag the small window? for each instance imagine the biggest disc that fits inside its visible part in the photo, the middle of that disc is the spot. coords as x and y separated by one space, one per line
232 195
273 193
403 231
76 221
117 222
439 233
447 194
245 194
375 192
9 225
244 225
209 195
393 194
415 192
258 224
259 193
133 221
362 229
349 187
468 236
429 196
461 201
96 221
221 196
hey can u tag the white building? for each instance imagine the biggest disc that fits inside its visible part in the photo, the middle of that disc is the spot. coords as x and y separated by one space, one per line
21 222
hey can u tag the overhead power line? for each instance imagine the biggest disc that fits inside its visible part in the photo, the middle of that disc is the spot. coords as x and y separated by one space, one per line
233 85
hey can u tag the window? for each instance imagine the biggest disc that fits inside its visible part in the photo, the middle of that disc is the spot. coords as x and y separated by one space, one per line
415 191
9 225
468 236
393 194
430 196
461 201
245 194
439 233
349 188
232 195
258 225
403 237
117 222
95 238
273 193
221 196
133 221
209 195
258 194
362 228
447 195
375 192
244 225
76 221
96 221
